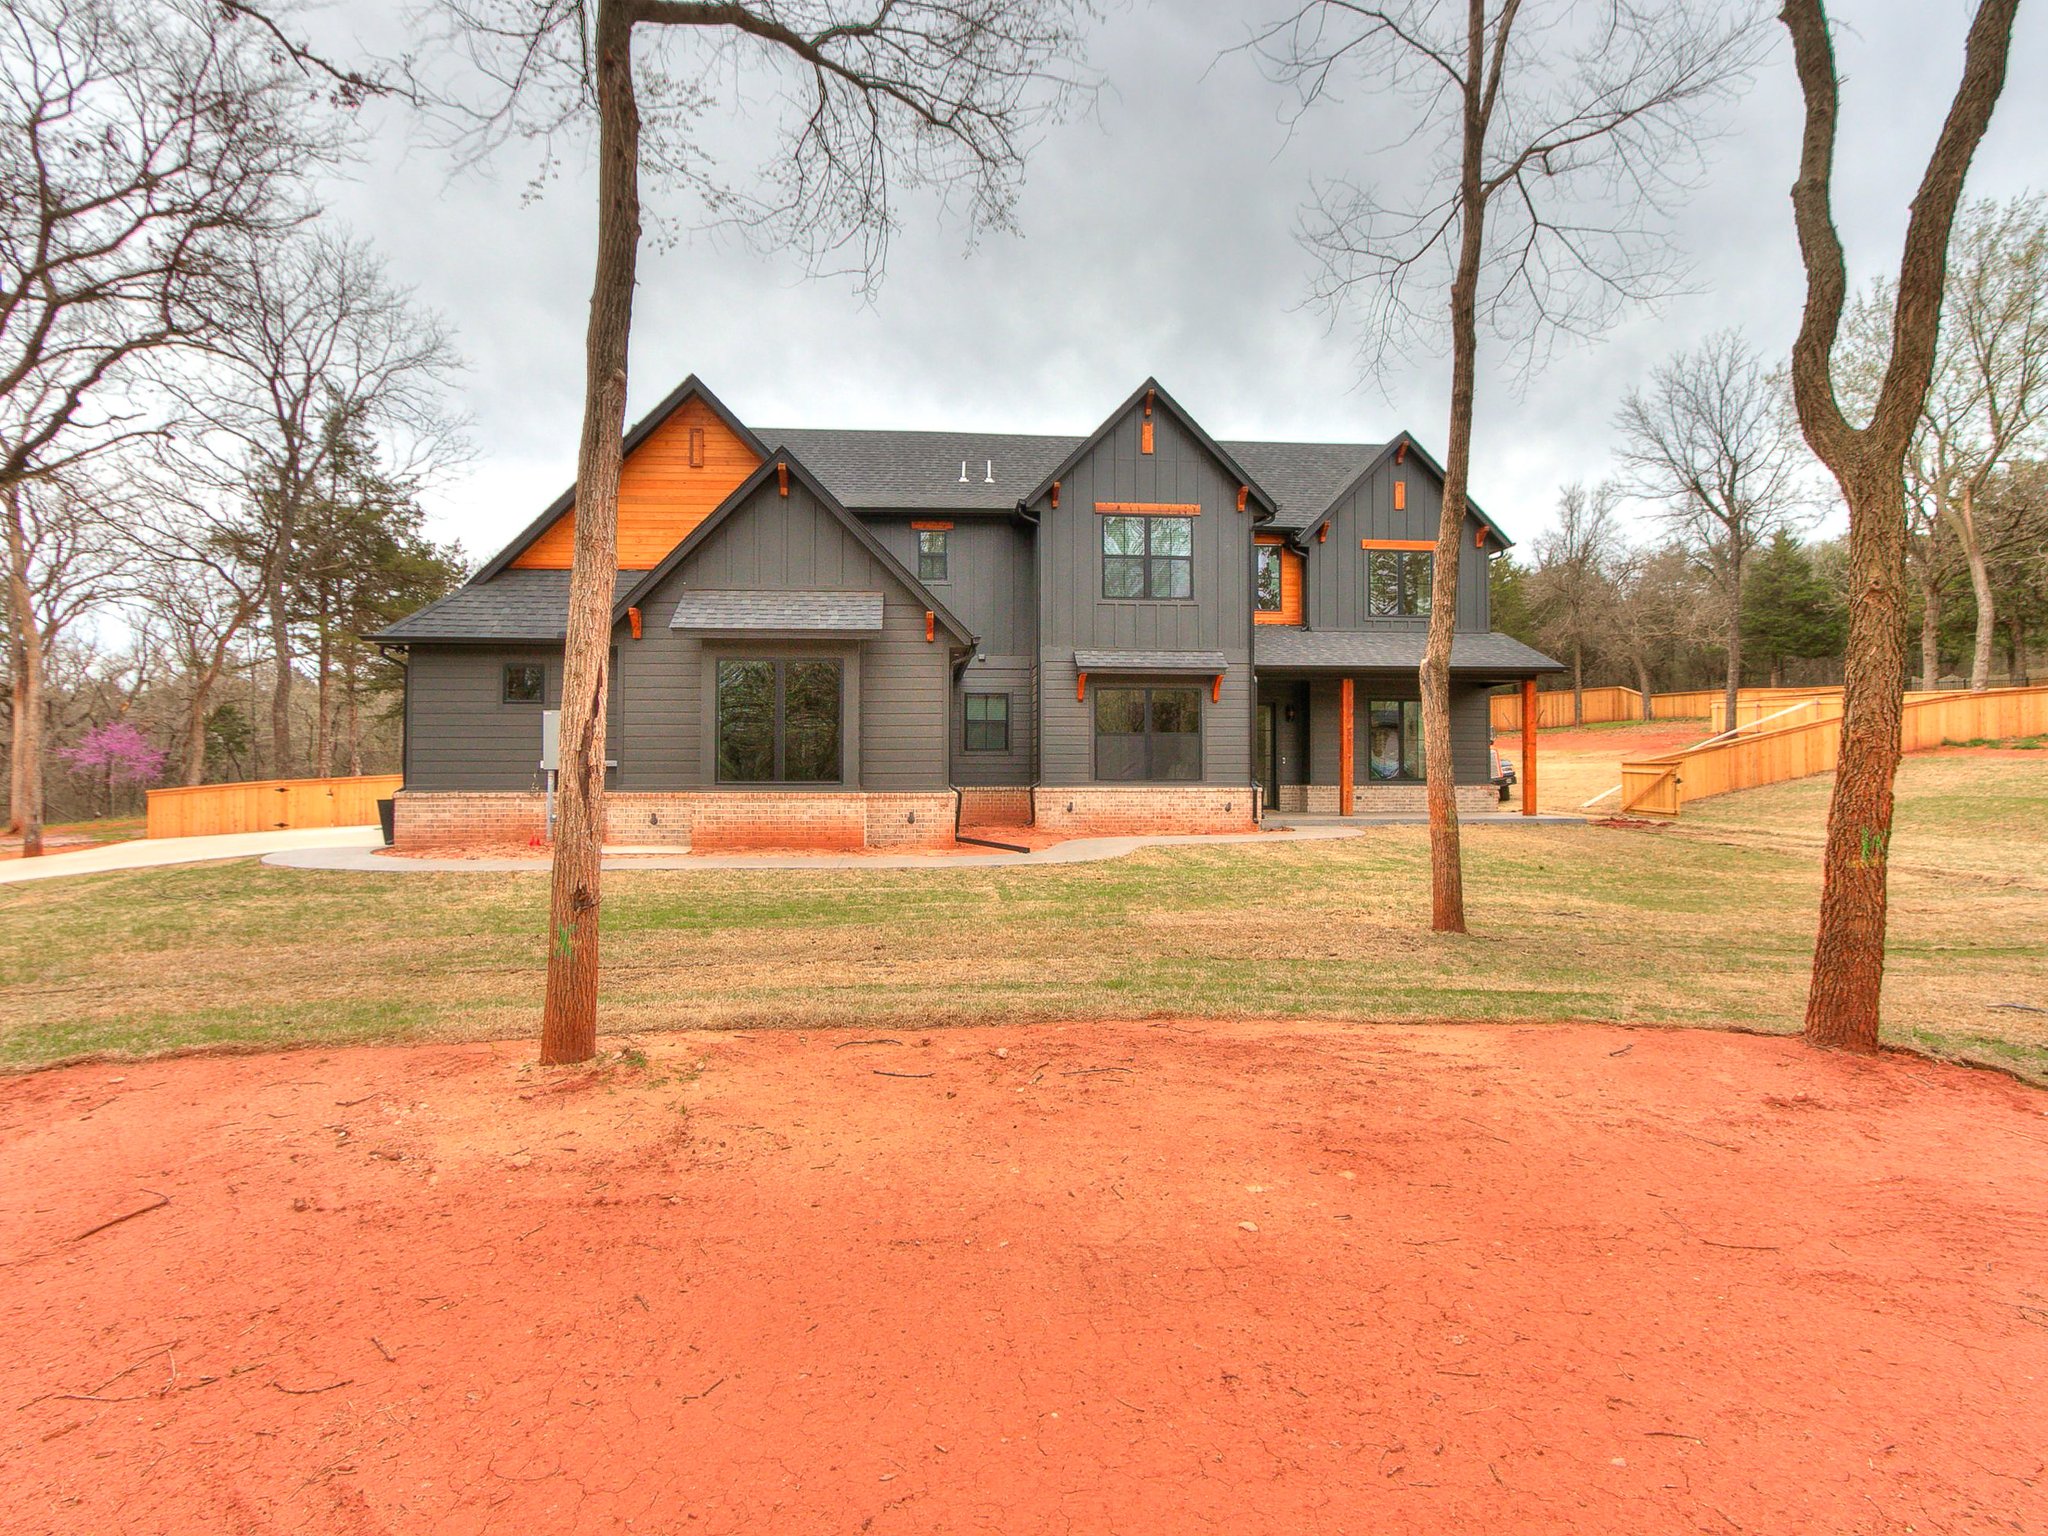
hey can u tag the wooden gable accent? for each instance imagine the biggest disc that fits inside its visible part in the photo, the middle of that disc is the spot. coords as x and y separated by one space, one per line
667 486
1293 574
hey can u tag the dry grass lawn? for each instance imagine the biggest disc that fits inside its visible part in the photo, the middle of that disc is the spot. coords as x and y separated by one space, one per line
1705 922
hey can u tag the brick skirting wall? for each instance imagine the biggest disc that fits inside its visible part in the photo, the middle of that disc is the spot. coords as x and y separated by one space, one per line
1399 799
705 821
1123 810
995 806
422 820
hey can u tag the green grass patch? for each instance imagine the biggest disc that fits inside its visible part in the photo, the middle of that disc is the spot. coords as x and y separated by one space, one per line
1708 921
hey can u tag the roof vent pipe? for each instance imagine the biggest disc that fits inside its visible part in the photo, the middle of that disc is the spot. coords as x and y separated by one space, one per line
989 478
963 471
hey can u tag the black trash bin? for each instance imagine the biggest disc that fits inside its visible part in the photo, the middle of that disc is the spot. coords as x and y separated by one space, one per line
384 814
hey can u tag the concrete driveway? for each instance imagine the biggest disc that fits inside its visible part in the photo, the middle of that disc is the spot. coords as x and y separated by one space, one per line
147 853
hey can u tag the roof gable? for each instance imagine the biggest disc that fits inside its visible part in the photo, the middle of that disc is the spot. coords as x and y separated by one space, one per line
772 466
1187 423
542 529
1394 450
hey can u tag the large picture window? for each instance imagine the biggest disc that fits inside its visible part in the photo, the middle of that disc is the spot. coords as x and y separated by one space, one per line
931 555
987 726
1148 734
1148 557
1268 571
1397 582
1394 738
778 722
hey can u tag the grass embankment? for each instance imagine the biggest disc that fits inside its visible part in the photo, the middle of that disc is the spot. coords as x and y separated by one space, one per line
1707 922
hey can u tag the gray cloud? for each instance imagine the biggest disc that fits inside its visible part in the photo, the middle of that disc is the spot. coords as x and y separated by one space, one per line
1157 237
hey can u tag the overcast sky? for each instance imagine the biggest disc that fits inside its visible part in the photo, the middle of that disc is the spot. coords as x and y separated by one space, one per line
1157 238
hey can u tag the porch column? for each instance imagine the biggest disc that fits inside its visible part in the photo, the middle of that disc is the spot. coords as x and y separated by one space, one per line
1528 746
1344 747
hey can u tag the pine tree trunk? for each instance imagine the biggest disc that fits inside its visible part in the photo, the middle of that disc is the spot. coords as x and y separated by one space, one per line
1980 584
1848 955
28 686
323 731
352 704
569 1019
281 653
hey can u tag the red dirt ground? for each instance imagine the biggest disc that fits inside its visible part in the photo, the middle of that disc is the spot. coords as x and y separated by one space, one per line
1101 1278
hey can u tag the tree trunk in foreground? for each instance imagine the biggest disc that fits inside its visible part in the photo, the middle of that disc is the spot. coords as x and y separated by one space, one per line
569 1019
1848 954
1842 1002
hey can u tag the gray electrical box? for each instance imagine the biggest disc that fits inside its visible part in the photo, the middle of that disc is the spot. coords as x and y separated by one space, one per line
550 740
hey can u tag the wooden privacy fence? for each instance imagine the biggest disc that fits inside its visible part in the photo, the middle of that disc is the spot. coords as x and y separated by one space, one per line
269 805
1554 709
1607 704
1808 744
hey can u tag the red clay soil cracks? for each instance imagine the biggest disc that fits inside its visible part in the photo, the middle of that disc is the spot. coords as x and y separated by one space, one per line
1142 1277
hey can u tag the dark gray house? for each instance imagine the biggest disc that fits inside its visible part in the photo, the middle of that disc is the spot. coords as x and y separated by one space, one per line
851 638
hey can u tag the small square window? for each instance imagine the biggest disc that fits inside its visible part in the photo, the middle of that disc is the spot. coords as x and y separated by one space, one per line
931 556
525 683
987 727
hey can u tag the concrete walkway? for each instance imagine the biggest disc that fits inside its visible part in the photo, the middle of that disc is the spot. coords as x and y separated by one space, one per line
1079 850
154 853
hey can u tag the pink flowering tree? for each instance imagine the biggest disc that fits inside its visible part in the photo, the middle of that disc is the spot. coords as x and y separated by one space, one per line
117 755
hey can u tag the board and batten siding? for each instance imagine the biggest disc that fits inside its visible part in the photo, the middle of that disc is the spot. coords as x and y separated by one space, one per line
1073 613
1336 567
990 586
894 711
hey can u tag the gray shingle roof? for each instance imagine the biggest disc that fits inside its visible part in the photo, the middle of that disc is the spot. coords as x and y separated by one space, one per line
513 605
1391 650
1150 661
921 470
836 613
1303 478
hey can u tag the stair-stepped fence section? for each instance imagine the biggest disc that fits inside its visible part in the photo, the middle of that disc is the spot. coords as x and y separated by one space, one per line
269 805
1805 738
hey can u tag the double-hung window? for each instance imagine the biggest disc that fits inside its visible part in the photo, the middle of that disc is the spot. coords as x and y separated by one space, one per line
1394 738
1148 557
778 721
931 555
1397 582
987 726
1148 734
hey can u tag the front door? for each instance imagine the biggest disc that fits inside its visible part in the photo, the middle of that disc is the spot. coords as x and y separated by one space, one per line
1269 755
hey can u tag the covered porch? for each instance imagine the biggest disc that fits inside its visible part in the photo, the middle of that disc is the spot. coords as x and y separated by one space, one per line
1338 722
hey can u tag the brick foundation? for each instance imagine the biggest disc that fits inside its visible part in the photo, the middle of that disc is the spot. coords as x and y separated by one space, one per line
704 821
450 820
1397 799
1290 797
1124 810
995 806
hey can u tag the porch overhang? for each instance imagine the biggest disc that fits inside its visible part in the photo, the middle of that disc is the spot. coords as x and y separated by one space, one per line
779 615
1489 657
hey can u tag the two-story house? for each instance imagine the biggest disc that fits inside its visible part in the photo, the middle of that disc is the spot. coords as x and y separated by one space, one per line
855 638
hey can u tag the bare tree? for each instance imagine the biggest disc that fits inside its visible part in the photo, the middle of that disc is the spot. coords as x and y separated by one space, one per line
1989 393
1714 441
873 95
1562 132
1571 589
1868 461
313 330
63 562
1656 611
137 146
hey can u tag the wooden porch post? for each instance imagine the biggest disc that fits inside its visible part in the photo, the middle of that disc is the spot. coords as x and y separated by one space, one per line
1528 746
1344 746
